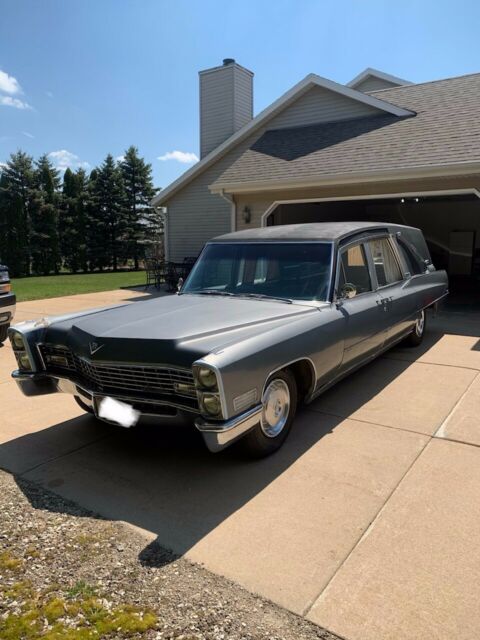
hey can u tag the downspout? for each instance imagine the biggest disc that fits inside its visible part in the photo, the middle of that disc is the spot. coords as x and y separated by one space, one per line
233 209
164 212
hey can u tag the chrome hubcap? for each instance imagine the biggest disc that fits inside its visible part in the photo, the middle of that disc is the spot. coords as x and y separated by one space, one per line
276 407
420 324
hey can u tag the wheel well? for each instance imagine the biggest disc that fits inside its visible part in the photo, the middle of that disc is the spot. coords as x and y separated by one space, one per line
304 376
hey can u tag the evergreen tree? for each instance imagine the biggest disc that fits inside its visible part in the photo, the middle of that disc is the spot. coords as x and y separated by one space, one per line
44 218
107 223
17 197
72 224
143 221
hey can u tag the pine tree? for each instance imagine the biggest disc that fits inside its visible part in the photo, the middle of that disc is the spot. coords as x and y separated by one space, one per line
72 224
44 218
107 223
17 196
143 221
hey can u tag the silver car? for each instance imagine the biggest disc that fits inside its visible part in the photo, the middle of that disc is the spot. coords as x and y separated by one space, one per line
267 318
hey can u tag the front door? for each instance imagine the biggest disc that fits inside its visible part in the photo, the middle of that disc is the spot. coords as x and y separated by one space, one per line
364 314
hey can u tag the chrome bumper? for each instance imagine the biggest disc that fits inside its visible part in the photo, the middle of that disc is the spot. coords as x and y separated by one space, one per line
40 383
218 435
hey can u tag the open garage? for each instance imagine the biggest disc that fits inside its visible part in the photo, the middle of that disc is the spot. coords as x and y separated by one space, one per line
450 222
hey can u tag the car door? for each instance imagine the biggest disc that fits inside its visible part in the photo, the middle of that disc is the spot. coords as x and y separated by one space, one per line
396 298
363 313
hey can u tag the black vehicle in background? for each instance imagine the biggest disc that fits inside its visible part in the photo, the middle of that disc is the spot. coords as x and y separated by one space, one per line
7 302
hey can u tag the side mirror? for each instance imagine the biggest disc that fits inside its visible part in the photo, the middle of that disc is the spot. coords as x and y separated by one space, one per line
179 284
348 291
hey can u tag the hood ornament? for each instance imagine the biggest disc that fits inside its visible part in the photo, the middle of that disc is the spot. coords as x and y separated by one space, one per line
94 347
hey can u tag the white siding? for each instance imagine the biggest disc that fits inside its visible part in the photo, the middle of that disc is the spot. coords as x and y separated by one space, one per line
195 215
320 105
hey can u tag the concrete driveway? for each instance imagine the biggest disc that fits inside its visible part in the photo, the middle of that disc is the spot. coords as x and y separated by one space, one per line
366 522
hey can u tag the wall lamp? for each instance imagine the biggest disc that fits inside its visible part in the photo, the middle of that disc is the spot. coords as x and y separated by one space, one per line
247 214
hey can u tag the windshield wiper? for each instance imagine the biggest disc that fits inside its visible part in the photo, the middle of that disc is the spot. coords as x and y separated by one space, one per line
263 296
211 292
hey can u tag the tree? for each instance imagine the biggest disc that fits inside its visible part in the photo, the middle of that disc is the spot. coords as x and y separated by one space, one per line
143 221
107 219
72 224
17 195
44 218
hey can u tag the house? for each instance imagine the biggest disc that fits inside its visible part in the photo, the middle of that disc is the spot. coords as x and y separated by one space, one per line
378 148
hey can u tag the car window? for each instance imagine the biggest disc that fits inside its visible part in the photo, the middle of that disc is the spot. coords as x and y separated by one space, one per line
413 264
386 265
297 270
354 269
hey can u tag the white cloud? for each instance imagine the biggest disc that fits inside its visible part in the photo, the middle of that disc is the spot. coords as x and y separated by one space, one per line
9 84
28 135
8 101
119 158
63 159
185 157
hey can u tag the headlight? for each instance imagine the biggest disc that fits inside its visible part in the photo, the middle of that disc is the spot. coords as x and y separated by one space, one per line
17 341
210 403
207 378
4 277
24 361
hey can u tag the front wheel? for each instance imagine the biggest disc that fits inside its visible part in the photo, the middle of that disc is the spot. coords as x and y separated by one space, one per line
416 337
279 403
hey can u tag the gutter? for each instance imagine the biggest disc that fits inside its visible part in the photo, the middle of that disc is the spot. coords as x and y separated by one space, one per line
426 171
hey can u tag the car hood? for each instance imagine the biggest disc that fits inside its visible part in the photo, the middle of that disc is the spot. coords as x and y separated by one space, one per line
170 329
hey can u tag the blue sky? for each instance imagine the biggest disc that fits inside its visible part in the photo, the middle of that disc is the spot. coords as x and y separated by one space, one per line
82 79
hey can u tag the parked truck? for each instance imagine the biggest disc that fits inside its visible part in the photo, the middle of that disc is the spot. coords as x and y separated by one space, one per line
7 302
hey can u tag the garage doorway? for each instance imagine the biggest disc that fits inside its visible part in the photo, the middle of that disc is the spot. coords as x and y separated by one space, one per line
450 224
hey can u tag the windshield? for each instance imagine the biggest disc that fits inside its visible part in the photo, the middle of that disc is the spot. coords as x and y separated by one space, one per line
297 271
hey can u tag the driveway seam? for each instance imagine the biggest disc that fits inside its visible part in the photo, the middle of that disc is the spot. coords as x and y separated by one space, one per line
312 603
436 364
437 433
63 455
378 424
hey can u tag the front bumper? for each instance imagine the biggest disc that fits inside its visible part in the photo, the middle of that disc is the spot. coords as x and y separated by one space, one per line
218 435
40 383
7 307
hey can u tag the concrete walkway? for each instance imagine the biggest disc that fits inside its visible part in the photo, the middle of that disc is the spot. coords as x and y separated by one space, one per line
366 522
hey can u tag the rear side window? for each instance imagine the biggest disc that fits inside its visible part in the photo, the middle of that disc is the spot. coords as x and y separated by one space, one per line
386 265
354 269
412 262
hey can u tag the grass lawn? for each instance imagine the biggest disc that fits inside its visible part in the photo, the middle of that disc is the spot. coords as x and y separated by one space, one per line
65 285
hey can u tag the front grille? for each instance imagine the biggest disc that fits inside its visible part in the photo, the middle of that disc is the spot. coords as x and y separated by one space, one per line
120 377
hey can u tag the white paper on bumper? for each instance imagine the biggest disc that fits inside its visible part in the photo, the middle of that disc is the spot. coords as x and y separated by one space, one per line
120 412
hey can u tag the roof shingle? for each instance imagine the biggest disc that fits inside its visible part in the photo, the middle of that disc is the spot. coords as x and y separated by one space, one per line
444 131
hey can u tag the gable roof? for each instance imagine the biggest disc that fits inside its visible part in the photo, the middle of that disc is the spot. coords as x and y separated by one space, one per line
375 73
286 99
444 132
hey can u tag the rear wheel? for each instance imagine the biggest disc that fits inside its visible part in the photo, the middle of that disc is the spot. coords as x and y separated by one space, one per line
416 337
3 332
279 403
